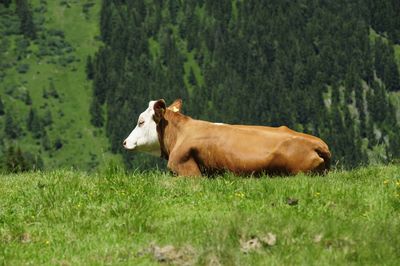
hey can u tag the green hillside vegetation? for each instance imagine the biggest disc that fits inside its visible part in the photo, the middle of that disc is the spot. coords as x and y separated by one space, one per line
330 69
75 218
43 81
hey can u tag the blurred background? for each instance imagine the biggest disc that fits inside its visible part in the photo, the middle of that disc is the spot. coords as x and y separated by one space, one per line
75 75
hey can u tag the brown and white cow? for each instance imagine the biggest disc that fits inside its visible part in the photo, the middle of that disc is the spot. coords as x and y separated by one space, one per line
193 147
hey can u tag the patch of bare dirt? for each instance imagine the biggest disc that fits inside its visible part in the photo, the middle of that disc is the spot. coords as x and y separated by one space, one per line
247 246
269 239
292 201
25 238
318 238
255 243
213 261
184 256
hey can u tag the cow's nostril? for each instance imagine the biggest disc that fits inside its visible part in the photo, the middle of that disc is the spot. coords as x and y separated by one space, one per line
124 143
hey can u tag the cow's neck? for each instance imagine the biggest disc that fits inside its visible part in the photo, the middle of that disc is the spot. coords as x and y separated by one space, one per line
168 129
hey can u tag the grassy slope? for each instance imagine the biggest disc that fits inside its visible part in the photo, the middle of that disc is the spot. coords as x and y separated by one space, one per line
71 218
70 81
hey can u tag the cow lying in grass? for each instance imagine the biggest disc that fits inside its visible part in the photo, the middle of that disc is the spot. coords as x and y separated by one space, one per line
194 147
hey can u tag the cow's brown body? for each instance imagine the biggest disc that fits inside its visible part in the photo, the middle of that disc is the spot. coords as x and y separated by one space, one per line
193 147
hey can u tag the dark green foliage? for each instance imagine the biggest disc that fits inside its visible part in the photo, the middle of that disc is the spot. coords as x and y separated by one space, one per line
45 93
28 99
1 107
14 161
31 117
384 17
391 76
26 19
86 8
45 141
52 90
34 124
106 19
33 161
96 113
11 128
104 76
378 103
21 48
17 161
385 65
52 43
310 66
6 3
47 118
58 144
394 147
23 68
89 68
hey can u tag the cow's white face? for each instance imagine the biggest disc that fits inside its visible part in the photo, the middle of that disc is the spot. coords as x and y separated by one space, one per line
144 136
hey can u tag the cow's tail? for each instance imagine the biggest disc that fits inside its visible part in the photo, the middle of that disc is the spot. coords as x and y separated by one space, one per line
324 153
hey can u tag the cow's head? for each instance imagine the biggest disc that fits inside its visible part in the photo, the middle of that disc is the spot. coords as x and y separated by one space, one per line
144 136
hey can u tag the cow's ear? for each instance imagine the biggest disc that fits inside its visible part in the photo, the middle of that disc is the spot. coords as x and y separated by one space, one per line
176 106
159 110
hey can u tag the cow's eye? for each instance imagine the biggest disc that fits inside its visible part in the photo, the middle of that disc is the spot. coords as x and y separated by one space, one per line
141 123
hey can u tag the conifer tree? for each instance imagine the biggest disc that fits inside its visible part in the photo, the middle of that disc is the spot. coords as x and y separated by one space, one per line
391 76
45 93
337 143
15 161
47 118
10 162
52 90
103 71
1 107
11 129
58 143
34 123
26 19
22 164
39 164
89 68
45 141
394 141
28 99
372 141
96 113
31 117
106 20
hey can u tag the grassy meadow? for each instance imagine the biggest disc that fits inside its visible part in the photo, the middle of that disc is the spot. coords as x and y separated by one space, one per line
111 217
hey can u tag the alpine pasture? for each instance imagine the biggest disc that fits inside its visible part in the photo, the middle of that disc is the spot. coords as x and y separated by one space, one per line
68 217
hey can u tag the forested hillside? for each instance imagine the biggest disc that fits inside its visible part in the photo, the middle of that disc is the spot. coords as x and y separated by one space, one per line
324 67
44 93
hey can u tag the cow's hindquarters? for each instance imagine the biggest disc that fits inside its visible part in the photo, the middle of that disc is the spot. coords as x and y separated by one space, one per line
300 154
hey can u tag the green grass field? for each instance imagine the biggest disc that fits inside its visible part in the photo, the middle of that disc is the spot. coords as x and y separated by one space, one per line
76 218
